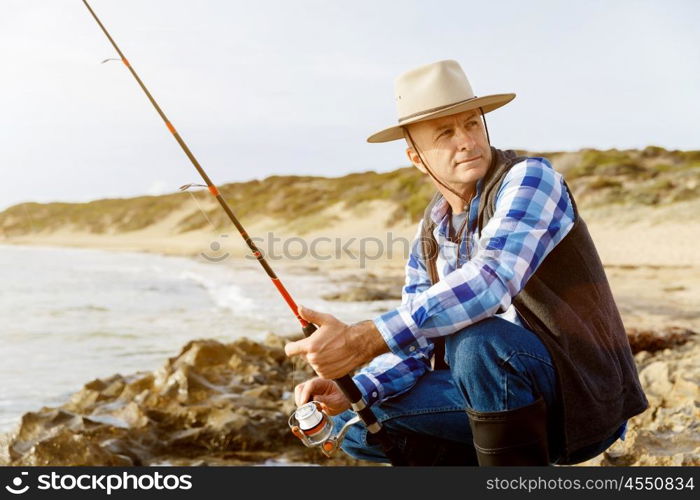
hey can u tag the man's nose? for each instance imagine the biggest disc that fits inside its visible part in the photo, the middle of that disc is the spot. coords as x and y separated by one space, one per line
464 139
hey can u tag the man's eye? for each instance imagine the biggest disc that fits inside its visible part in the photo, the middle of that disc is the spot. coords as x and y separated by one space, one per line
471 123
444 132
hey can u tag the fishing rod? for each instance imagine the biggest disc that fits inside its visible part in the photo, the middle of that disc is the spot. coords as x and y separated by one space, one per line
311 413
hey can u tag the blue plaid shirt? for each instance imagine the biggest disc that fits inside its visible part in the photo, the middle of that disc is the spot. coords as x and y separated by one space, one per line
533 214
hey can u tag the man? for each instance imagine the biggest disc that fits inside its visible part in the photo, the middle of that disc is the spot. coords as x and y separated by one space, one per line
504 291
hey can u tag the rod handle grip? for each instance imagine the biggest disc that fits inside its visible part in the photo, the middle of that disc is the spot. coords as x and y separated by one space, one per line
345 382
309 329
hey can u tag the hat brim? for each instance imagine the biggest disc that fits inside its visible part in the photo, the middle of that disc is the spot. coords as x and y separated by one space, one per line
487 103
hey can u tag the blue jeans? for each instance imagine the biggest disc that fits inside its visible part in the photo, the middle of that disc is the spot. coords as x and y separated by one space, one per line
495 365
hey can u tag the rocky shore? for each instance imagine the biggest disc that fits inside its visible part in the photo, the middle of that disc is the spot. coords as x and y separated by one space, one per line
668 433
227 404
212 404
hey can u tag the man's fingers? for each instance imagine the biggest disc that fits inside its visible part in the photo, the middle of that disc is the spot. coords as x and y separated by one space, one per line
318 318
297 394
296 348
324 400
305 395
302 393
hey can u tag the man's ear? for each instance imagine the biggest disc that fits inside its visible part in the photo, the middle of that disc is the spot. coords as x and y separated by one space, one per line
415 159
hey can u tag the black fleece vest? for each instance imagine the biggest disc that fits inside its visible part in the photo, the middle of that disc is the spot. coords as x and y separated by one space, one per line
568 304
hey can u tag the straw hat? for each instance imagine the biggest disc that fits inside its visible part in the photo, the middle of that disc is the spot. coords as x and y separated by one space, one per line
435 90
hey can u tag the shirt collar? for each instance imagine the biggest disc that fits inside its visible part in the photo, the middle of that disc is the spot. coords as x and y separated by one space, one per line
442 208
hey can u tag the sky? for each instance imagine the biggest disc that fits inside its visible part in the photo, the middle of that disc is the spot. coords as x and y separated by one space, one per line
294 88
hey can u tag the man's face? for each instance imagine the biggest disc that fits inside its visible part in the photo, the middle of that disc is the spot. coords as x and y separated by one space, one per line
455 148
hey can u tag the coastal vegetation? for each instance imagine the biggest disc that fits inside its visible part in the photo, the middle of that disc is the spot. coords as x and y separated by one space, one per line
652 176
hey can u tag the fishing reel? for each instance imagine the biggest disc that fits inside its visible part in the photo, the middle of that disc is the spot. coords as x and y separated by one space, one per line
314 427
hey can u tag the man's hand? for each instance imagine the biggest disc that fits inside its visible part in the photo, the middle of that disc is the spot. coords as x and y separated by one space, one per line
335 349
324 391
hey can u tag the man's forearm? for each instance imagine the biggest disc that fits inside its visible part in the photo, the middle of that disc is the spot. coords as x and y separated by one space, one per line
365 337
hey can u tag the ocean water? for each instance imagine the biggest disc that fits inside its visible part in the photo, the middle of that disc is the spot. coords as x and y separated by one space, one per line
68 316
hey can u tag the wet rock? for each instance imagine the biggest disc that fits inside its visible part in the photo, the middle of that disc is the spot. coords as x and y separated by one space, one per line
264 392
645 339
65 447
126 448
202 354
655 379
226 402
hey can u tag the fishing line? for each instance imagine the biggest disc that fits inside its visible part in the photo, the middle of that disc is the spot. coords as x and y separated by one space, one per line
185 188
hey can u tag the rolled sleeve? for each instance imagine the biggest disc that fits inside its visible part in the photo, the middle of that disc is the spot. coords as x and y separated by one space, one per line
399 331
390 375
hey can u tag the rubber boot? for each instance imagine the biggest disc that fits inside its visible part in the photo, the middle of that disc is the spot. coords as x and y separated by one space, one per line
511 437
